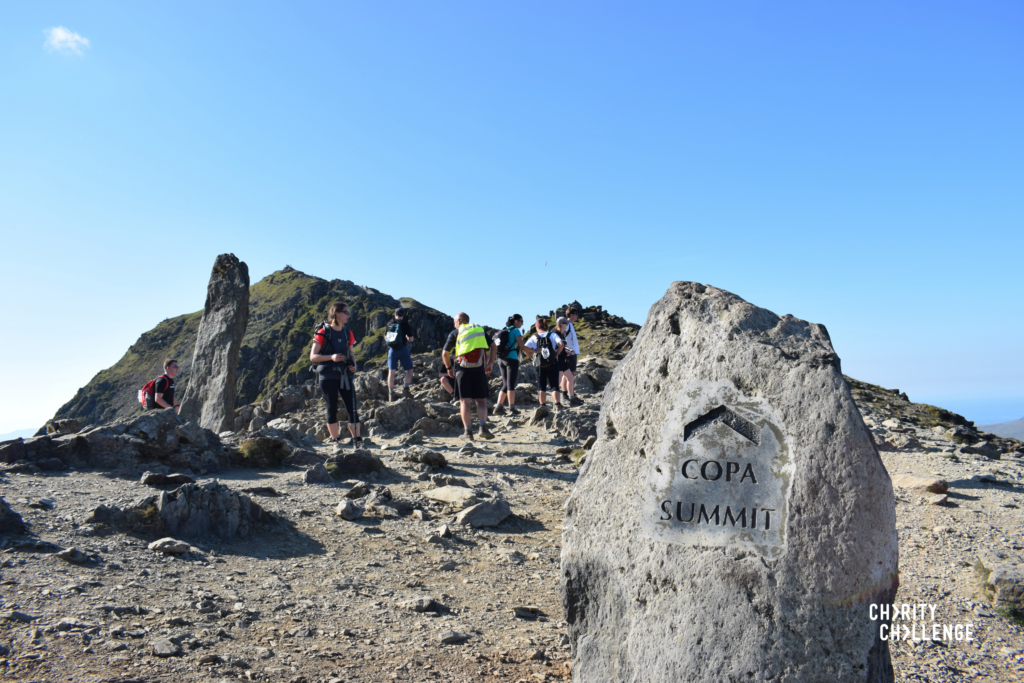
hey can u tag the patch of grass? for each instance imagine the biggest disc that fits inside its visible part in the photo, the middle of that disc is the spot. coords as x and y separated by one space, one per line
1012 614
261 452
578 456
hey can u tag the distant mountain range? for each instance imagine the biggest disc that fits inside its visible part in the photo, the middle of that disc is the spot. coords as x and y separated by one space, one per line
1007 430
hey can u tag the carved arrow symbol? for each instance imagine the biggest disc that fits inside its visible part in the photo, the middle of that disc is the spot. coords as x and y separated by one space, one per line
721 414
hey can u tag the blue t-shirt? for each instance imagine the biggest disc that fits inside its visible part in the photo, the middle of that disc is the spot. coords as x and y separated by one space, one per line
513 334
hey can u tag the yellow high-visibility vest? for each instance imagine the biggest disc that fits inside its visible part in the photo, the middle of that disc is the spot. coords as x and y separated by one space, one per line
471 337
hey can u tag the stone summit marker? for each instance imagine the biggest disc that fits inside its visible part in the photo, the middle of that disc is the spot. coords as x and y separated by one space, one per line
733 521
209 397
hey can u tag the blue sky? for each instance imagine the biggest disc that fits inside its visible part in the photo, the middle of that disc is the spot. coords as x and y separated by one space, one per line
856 166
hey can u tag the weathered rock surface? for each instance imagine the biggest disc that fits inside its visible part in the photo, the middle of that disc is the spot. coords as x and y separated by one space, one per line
1004 578
317 474
765 581
400 415
208 509
209 397
170 546
454 495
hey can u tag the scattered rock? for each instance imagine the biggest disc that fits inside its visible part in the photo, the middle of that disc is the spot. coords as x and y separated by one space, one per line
317 474
457 496
449 637
939 499
488 513
910 481
210 508
170 546
158 479
73 556
303 458
348 510
419 604
15 615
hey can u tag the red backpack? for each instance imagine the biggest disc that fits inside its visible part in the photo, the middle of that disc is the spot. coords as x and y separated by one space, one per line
147 394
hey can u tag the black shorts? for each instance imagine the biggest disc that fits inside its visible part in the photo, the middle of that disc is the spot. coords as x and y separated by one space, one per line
570 363
471 383
548 377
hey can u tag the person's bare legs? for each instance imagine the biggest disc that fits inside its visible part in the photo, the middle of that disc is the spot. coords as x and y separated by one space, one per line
465 408
333 430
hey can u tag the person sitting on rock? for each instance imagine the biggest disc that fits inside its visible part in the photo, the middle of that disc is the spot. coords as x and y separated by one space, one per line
509 365
474 356
397 334
547 346
448 382
163 387
335 367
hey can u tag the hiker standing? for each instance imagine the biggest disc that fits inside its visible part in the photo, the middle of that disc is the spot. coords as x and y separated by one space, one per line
162 391
572 351
509 343
547 346
473 362
335 363
397 335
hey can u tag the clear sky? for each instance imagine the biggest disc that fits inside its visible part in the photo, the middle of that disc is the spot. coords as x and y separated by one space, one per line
858 166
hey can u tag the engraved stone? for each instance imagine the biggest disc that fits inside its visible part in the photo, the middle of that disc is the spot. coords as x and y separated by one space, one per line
733 521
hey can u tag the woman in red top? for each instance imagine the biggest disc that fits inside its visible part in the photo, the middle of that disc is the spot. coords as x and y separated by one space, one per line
335 367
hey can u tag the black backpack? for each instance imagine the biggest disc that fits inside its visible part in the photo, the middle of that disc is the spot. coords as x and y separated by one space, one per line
501 340
544 344
393 335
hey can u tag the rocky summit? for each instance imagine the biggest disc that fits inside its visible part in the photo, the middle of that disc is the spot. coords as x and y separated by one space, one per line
144 547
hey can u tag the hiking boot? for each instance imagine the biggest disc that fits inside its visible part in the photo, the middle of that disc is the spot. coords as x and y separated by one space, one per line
575 401
485 433
406 392
466 436
513 411
499 410
559 407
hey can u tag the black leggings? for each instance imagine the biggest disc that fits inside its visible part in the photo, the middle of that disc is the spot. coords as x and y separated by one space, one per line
331 387
509 368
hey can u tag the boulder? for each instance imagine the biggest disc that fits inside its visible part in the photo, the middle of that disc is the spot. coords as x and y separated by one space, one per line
354 464
348 510
210 508
488 513
303 458
1003 576
209 397
733 498
10 521
910 481
457 496
427 457
159 479
400 415
317 475
170 546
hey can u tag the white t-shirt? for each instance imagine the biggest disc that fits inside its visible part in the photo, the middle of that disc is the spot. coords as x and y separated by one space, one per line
571 342
553 336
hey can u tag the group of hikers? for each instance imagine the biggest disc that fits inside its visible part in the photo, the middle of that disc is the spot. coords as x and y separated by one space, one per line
468 353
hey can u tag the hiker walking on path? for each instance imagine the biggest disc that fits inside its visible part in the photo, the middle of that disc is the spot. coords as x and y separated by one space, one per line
398 336
509 343
335 363
547 345
567 379
448 382
473 362
161 393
